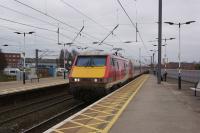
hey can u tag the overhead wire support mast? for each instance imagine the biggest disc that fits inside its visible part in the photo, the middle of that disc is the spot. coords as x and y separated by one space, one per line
79 33
134 25
28 25
108 36
77 10
58 20
159 41
89 18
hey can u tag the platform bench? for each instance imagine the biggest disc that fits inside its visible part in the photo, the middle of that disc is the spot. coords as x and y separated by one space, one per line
34 77
197 88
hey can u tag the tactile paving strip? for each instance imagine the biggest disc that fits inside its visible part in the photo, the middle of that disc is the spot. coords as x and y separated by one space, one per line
100 116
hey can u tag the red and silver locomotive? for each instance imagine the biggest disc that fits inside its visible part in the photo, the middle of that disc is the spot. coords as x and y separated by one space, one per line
95 74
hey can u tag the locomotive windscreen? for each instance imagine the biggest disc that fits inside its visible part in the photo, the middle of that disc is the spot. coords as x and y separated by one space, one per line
91 61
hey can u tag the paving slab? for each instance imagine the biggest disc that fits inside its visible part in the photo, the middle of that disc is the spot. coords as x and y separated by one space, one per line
160 109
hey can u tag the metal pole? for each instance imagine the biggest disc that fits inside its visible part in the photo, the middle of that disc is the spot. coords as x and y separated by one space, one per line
165 57
24 69
58 35
153 64
136 32
36 60
140 59
179 57
159 41
64 62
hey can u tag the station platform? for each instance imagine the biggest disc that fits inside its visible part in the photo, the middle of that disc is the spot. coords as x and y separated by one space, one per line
18 86
141 106
161 109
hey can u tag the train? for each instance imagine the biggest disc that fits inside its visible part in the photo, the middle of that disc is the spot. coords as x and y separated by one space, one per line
95 74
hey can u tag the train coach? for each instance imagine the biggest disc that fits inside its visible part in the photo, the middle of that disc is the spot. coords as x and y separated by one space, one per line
96 74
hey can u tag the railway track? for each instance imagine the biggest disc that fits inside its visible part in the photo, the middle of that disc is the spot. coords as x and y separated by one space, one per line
44 125
39 114
31 108
18 118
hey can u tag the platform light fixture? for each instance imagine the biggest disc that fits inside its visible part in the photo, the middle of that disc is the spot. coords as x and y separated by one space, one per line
24 73
179 49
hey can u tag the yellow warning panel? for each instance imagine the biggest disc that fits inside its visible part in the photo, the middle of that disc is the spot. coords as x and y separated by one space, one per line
88 72
101 116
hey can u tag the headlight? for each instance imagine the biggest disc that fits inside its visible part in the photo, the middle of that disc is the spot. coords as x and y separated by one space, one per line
95 80
76 79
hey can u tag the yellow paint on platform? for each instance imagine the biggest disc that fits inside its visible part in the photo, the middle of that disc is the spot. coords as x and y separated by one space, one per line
138 85
88 72
100 117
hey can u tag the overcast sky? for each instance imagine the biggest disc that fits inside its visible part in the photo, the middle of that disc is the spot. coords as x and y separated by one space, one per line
105 15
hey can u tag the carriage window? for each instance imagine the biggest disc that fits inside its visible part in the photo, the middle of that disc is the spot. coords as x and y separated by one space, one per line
117 65
112 62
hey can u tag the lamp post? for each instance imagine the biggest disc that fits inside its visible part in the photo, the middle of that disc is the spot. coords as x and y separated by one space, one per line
179 48
140 60
24 70
165 54
64 73
154 51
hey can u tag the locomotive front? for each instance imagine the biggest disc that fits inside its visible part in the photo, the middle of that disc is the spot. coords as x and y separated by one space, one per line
88 76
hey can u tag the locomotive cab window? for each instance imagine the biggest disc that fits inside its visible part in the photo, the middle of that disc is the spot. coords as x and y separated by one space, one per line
83 61
91 61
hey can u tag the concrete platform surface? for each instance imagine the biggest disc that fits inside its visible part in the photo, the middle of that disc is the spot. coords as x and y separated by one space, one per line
160 109
17 86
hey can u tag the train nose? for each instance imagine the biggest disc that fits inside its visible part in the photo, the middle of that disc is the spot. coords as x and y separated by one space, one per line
88 72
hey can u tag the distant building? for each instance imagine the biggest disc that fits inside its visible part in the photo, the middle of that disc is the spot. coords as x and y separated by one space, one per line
45 68
13 59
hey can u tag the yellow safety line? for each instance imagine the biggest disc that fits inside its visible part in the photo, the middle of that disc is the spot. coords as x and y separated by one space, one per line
94 132
100 111
90 118
90 113
105 110
102 106
67 128
105 115
94 118
123 94
81 119
86 126
111 102
124 98
121 99
56 130
117 103
97 123
125 105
